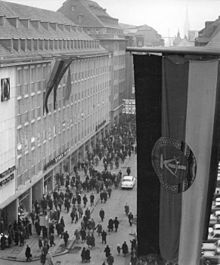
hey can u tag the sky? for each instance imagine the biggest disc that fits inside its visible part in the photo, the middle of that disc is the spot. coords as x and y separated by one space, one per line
166 16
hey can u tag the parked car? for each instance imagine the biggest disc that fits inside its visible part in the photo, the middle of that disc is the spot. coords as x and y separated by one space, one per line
128 182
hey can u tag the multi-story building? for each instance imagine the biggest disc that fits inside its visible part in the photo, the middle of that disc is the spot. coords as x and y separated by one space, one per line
98 24
209 34
143 35
36 145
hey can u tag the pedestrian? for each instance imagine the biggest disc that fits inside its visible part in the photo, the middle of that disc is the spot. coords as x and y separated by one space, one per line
126 209
80 211
99 229
77 235
40 244
92 197
85 200
65 238
116 224
83 234
62 222
107 251
83 255
118 249
28 253
42 258
110 259
128 170
109 190
3 241
45 248
124 248
130 218
133 244
51 238
102 214
110 225
87 255
87 213
104 235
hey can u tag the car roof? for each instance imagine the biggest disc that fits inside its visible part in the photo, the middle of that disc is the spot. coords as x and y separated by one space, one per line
128 176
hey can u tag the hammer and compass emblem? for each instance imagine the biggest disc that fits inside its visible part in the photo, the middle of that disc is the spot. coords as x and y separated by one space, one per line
174 163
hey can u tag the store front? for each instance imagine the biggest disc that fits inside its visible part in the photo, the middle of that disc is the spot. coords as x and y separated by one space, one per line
48 183
7 216
37 191
73 162
25 204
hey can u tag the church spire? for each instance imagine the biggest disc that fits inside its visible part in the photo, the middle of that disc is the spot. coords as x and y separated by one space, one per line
186 24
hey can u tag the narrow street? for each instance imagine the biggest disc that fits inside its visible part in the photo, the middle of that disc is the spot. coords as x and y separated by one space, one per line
113 207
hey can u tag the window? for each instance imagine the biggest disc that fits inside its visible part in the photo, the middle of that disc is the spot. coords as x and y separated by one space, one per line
5 89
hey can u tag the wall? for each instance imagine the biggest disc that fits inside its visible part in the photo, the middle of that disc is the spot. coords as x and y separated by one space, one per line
7 131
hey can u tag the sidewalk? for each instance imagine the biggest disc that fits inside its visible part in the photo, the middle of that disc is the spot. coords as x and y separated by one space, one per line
17 253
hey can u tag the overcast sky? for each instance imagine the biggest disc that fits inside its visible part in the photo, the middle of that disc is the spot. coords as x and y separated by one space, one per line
166 16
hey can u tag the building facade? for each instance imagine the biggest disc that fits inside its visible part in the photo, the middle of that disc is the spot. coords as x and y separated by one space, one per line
210 33
100 26
35 145
143 35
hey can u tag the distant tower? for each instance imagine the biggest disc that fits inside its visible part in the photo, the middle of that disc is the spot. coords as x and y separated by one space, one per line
186 24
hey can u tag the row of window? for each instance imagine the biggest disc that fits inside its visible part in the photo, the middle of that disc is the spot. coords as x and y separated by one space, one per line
44 44
35 153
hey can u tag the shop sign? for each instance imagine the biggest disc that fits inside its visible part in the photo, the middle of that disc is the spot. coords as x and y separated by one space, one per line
56 159
7 176
97 127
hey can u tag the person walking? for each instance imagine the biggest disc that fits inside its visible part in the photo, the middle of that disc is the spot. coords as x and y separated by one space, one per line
104 235
92 198
130 218
110 259
99 229
107 251
85 200
124 248
65 238
28 253
116 224
102 214
51 238
87 255
118 249
42 258
83 254
110 225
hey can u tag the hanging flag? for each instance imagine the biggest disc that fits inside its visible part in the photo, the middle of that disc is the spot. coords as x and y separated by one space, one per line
68 86
59 69
177 128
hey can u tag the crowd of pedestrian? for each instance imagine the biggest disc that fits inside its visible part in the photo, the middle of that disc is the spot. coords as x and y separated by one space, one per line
71 196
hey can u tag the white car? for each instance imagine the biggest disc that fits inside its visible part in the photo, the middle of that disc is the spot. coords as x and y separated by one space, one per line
128 182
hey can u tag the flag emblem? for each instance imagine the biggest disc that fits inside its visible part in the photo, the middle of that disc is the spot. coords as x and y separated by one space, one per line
174 163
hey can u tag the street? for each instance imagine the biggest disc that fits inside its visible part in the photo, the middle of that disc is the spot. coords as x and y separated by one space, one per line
113 207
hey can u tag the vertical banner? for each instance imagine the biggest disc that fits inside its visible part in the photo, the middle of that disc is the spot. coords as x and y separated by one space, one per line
178 124
148 108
